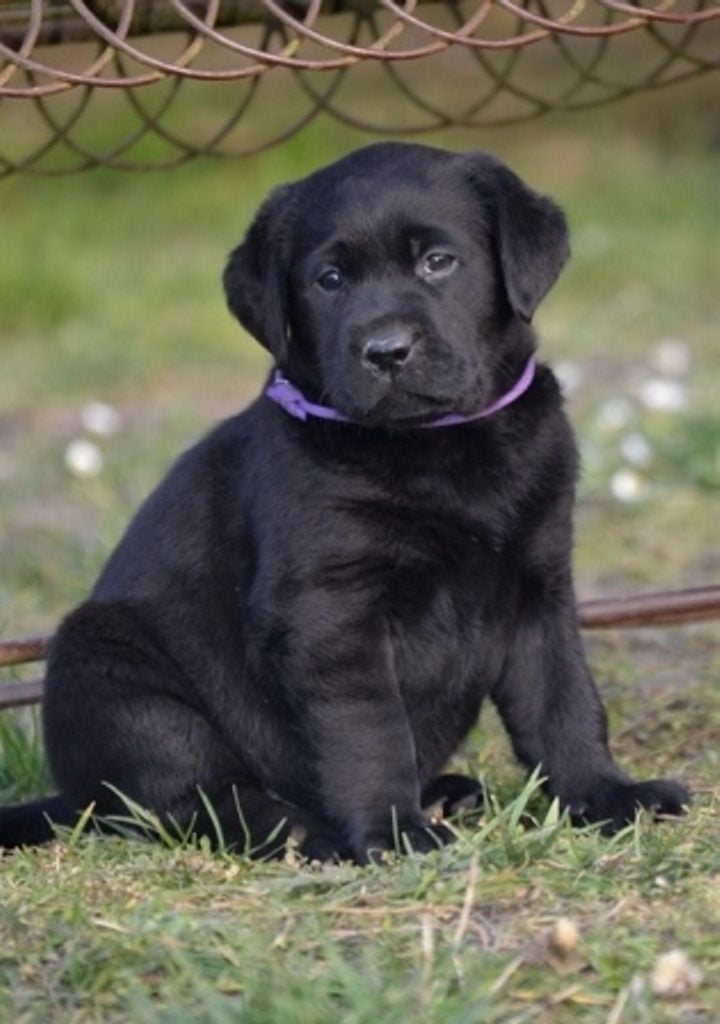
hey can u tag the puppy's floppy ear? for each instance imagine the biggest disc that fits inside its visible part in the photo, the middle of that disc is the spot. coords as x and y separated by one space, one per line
256 274
530 232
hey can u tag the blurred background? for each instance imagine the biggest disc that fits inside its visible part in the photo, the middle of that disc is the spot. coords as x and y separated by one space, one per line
117 351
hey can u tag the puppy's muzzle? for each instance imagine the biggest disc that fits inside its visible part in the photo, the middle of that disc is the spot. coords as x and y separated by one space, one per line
386 351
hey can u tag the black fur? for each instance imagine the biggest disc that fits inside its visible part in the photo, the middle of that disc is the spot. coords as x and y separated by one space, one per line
303 620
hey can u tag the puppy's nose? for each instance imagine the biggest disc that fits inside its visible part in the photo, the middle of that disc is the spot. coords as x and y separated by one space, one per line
387 351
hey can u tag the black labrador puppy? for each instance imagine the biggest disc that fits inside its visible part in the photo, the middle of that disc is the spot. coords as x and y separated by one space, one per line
301 623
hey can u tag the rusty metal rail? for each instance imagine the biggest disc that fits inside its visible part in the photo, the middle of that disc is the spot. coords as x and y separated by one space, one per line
471 63
16 695
665 608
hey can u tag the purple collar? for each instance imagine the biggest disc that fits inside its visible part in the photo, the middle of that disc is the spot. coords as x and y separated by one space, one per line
286 395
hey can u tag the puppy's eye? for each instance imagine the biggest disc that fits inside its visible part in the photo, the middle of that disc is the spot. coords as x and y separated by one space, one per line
330 280
438 264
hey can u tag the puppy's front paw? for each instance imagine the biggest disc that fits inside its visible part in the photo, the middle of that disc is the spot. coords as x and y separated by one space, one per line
418 838
616 804
322 848
452 794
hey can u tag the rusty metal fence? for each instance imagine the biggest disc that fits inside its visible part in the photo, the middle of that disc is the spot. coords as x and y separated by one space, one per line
471 63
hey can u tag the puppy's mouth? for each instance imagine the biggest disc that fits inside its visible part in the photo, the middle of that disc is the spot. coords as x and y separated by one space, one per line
421 408
423 388
406 407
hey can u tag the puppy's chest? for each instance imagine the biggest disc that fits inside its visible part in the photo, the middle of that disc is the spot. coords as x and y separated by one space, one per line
449 602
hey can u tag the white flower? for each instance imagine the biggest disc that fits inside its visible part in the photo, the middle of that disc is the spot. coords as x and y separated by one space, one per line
100 418
635 449
83 458
674 975
663 395
628 486
614 414
569 374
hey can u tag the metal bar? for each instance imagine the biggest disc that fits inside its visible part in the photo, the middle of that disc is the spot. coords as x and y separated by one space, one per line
665 608
18 652
62 24
15 695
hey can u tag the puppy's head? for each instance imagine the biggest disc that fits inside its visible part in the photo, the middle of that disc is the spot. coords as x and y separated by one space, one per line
398 283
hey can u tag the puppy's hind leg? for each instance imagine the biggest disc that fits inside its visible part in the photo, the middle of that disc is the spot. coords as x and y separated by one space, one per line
122 721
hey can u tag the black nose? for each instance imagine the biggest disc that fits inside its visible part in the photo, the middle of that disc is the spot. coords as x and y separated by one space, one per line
387 351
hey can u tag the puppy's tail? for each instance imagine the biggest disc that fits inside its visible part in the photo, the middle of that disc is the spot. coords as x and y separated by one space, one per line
32 823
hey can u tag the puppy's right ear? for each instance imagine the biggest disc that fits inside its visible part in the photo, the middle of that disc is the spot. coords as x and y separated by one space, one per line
256 274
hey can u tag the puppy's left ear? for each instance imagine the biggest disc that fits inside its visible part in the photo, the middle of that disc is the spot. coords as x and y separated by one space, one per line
530 232
256 274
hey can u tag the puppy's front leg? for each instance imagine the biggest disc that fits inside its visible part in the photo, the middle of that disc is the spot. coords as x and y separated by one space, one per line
365 754
555 718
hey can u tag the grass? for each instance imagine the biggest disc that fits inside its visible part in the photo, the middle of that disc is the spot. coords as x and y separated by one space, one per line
111 930
109 290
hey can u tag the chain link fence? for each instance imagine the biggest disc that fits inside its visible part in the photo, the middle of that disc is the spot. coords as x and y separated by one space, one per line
152 83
